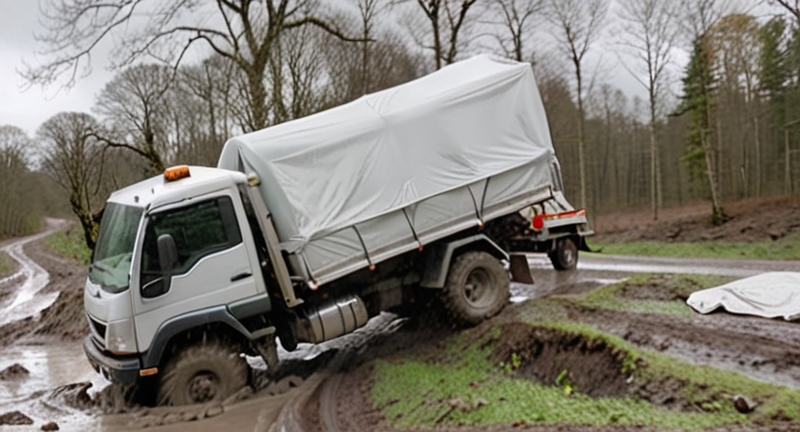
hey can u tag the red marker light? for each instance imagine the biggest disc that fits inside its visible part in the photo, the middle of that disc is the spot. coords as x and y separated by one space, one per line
538 222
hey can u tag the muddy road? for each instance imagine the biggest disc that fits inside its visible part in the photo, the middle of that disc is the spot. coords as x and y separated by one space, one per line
326 387
26 297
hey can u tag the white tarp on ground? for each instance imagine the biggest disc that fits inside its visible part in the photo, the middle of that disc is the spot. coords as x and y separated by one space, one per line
405 165
770 295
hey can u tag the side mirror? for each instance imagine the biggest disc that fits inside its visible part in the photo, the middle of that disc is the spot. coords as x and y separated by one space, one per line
168 260
167 253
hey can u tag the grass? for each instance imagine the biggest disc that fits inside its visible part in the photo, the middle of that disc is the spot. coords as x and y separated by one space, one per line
7 265
677 286
69 244
447 398
472 391
459 384
787 248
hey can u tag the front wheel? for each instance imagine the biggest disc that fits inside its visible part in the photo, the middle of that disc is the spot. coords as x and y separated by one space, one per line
476 288
208 371
565 255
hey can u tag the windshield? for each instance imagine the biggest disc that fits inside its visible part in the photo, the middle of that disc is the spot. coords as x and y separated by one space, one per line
111 263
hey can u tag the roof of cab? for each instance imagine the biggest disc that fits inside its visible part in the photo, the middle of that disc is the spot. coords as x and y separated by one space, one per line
157 191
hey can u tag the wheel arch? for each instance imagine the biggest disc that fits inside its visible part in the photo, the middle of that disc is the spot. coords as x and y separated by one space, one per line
190 328
441 256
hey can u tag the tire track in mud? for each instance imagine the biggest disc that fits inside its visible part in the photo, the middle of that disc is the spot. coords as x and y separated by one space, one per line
321 393
328 402
26 299
763 349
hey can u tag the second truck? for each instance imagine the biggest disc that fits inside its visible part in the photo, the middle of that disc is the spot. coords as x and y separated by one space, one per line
307 229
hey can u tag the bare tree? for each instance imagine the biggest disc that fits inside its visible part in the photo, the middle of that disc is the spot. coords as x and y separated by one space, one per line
136 104
242 31
650 32
73 158
517 19
18 213
391 60
579 23
211 90
369 10
733 42
792 6
697 16
447 20
304 66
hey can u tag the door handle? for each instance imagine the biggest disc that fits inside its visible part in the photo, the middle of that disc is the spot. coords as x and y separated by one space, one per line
241 276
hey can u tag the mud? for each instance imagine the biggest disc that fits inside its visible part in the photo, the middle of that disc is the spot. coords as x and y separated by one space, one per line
747 220
551 357
765 350
15 418
14 372
65 318
660 288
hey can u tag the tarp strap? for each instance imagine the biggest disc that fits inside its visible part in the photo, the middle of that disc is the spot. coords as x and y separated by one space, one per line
483 197
475 205
364 246
411 225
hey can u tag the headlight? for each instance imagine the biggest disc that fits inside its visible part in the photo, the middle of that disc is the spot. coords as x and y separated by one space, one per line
120 337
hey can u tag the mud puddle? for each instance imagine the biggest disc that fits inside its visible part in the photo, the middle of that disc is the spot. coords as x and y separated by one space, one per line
550 282
38 394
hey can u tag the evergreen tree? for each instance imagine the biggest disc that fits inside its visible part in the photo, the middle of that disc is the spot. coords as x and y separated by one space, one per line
774 74
697 101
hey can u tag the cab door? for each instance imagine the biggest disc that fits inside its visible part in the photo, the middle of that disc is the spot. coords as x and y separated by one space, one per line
213 265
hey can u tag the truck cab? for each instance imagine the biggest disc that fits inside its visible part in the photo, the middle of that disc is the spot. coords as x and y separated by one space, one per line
173 253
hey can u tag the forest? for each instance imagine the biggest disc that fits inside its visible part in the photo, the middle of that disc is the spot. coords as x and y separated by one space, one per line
708 115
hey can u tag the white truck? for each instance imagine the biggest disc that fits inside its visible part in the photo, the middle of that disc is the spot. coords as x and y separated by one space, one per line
307 229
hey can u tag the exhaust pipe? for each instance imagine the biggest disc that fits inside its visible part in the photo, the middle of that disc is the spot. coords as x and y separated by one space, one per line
332 319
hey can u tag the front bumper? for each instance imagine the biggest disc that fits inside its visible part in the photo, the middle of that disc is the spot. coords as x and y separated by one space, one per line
114 369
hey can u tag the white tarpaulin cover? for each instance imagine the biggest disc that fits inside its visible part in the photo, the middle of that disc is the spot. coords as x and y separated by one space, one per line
403 166
770 295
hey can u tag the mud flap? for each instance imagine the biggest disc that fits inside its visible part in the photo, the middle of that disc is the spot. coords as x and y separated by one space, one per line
582 245
520 269
267 348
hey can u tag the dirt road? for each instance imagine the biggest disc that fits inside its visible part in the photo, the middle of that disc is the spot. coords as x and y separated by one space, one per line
30 279
721 267
306 399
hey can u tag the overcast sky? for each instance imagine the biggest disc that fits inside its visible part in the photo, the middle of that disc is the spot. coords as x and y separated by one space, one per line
30 108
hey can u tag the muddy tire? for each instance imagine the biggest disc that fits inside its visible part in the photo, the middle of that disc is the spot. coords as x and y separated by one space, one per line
565 256
477 288
208 371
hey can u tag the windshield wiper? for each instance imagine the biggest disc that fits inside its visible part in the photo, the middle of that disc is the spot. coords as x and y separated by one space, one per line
96 265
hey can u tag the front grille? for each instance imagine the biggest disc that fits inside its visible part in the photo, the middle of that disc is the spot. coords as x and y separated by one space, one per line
98 330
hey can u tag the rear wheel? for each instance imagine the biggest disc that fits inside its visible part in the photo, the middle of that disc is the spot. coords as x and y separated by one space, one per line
565 255
208 371
476 288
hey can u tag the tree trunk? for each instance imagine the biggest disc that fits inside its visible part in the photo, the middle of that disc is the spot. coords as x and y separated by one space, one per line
258 99
757 132
581 156
653 169
787 171
716 210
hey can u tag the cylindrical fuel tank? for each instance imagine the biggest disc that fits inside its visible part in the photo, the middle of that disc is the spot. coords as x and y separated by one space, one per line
335 318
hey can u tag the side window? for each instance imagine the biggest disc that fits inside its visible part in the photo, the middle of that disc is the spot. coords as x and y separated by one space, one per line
198 230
